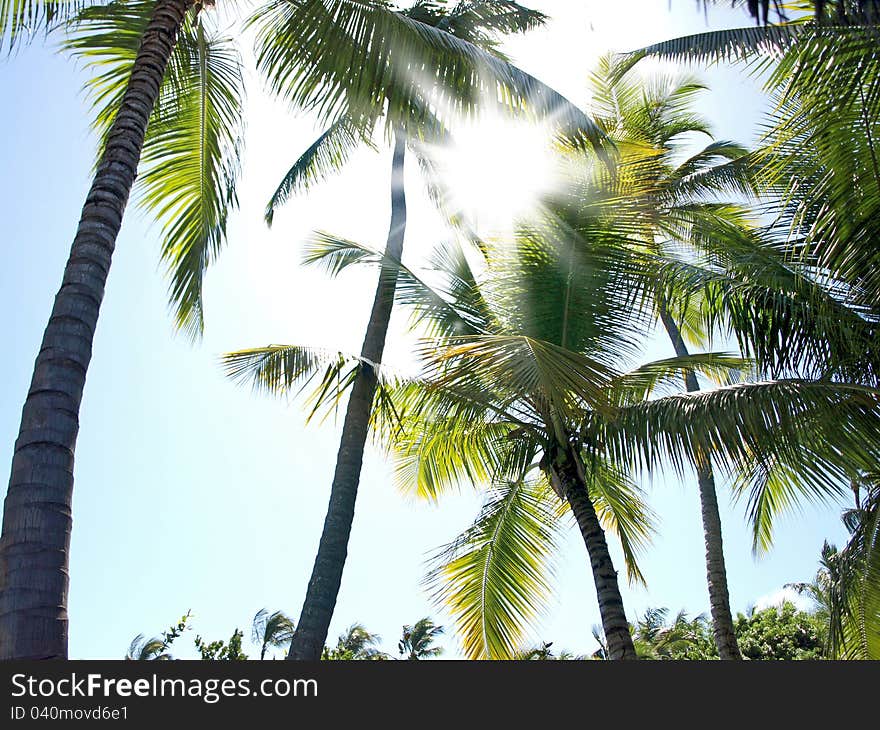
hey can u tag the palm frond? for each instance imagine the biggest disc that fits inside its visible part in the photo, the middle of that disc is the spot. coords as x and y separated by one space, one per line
824 430
495 577
190 160
325 156
372 61
23 20
640 383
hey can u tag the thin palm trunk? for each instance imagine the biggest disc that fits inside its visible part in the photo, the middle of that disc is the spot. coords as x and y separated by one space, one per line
320 601
719 597
567 475
35 542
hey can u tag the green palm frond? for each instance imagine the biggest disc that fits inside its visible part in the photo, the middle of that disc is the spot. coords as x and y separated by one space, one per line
325 156
736 177
826 430
436 457
453 308
374 61
190 158
335 254
772 487
708 157
22 20
778 311
495 577
643 381
290 369
722 46
482 21
568 380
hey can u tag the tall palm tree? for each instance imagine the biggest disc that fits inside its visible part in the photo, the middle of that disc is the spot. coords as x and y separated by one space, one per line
355 644
190 152
417 640
471 29
271 630
500 396
651 118
37 510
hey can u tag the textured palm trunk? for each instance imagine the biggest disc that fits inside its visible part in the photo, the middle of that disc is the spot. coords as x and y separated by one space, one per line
716 572
317 611
35 542
566 474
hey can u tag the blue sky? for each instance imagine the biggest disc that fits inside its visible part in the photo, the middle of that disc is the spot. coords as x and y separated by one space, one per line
192 493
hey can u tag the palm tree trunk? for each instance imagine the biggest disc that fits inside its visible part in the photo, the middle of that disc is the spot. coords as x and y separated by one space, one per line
35 542
567 475
317 611
719 597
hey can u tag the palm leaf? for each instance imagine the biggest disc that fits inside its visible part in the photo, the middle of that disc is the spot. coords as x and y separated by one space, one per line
495 577
325 156
190 158
373 61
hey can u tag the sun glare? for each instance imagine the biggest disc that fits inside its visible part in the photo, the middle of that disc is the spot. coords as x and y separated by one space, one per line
496 172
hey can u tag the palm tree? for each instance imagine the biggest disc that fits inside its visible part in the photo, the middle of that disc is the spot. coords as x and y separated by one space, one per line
142 649
417 640
37 510
157 647
355 644
543 653
547 428
845 590
155 63
470 29
650 118
500 396
271 630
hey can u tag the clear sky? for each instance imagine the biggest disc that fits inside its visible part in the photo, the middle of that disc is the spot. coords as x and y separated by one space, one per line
192 493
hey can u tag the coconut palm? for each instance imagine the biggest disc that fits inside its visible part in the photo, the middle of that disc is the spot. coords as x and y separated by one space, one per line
844 591
275 367
190 155
143 649
271 630
417 640
652 118
170 61
500 397
157 647
544 653
468 28
355 644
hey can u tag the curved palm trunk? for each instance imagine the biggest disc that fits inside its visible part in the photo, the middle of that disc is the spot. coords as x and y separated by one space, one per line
567 476
719 597
320 601
37 512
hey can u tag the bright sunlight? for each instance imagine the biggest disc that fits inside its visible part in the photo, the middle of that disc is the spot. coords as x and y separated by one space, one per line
496 172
